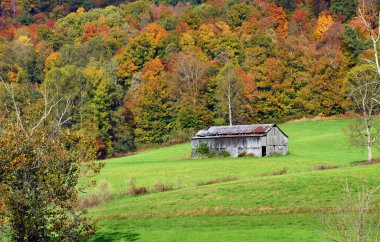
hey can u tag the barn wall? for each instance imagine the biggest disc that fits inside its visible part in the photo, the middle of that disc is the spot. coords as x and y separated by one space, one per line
234 145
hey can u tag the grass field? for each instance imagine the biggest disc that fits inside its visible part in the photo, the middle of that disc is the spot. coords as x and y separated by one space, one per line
259 206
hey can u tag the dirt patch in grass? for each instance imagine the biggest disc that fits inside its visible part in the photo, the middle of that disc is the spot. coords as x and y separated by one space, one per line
277 173
217 180
325 167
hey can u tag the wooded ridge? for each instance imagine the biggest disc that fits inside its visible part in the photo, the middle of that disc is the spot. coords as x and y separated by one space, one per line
143 72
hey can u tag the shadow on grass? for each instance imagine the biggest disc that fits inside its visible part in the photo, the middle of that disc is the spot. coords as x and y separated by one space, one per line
115 236
366 162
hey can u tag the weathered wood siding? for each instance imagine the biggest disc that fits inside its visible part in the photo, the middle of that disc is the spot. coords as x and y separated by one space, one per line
275 141
234 145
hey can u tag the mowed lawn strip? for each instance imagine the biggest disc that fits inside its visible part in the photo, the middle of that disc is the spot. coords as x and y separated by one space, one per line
293 227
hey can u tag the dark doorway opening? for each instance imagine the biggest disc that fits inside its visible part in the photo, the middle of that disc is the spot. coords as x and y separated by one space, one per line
263 151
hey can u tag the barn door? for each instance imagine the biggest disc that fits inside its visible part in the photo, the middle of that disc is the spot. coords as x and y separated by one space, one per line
263 151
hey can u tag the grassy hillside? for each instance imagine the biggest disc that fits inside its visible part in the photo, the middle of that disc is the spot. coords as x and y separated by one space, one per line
259 206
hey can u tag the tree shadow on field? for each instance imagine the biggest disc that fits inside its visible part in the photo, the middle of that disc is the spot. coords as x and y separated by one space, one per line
115 236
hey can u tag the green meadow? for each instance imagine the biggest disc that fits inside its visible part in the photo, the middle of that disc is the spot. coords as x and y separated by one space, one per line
263 203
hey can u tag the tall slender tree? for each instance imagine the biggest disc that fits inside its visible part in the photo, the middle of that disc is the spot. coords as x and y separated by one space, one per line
230 87
364 90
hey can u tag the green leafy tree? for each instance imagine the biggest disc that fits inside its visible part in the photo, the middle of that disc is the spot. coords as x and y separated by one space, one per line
344 7
238 13
40 165
353 45
103 112
139 51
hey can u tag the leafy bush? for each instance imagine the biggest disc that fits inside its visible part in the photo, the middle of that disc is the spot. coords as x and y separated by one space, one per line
212 154
224 153
160 187
202 149
244 154
101 194
134 190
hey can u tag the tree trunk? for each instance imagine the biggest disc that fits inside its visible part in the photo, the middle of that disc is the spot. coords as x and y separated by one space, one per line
369 150
229 105
369 138
375 44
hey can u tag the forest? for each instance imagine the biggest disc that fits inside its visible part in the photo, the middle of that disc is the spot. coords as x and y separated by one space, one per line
135 73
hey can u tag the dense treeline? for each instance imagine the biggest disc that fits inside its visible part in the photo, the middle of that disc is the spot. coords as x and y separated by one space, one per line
148 72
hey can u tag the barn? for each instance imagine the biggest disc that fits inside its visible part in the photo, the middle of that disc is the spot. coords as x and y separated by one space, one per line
257 139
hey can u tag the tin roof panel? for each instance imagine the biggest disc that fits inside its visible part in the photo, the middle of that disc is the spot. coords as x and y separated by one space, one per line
254 129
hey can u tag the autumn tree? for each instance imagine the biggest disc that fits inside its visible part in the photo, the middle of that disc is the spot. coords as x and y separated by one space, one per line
324 22
282 24
189 78
152 105
300 20
191 74
273 89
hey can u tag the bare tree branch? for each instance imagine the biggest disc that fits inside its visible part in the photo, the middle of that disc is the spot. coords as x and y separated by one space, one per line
10 91
49 105
61 121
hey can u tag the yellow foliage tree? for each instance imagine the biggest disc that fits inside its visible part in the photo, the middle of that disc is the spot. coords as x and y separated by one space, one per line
12 76
186 40
80 10
51 61
323 24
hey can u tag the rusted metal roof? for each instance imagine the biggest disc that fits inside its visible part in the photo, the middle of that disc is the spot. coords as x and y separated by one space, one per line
237 130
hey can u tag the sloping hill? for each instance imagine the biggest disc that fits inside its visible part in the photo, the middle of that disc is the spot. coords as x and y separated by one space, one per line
274 198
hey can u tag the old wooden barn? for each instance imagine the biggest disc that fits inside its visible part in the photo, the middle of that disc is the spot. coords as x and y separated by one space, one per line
257 139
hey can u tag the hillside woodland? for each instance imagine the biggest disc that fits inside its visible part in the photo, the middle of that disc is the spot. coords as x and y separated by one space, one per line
148 72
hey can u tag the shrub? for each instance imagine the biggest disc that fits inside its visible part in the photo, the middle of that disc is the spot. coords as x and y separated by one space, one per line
160 187
224 153
244 154
133 190
211 154
280 172
101 194
355 218
202 149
